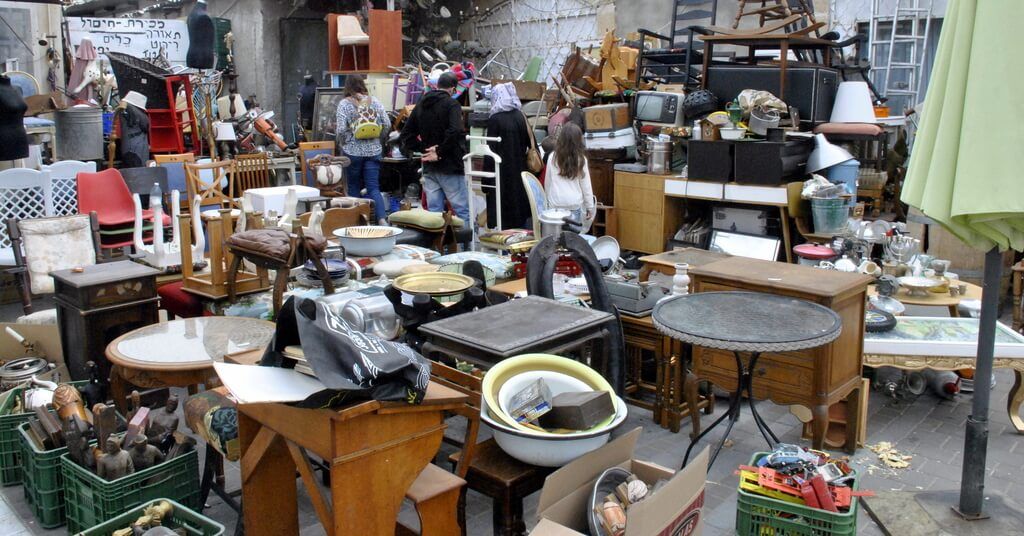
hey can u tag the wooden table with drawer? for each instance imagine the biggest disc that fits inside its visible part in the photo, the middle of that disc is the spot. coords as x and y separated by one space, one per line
642 221
814 378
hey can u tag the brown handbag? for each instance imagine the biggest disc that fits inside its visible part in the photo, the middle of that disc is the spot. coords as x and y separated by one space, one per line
534 163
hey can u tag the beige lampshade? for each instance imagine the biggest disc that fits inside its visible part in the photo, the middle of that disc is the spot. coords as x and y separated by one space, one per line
853 104
224 131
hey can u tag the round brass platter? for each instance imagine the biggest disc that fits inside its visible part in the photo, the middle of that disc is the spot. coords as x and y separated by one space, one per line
434 283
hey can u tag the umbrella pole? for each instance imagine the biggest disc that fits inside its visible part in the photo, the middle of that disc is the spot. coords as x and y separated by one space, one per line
972 482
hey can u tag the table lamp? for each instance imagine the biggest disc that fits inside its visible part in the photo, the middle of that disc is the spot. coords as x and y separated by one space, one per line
853 104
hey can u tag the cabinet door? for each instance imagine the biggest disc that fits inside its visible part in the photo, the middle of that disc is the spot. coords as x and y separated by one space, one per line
639 231
601 173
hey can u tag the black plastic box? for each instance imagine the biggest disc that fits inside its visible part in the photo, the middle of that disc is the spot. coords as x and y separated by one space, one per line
710 161
769 163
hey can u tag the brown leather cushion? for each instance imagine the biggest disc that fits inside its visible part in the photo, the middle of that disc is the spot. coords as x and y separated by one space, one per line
856 129
272 243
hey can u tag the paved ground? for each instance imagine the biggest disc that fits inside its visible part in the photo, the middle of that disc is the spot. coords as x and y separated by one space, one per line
929 429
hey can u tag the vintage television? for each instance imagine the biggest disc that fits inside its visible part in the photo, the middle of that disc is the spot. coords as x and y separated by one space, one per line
659 108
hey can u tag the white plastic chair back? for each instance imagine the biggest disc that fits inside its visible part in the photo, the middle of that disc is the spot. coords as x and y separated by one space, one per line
65 187
24 194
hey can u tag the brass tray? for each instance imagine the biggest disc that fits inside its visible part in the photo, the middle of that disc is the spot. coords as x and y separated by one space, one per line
434 283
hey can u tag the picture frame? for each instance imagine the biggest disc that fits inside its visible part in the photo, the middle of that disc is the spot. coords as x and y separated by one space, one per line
745 245
325 108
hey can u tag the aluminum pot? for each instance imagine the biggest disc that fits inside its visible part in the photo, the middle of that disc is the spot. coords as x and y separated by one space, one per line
659 157
551 221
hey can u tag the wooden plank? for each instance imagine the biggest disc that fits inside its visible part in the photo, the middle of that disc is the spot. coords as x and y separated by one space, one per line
268 491
316 495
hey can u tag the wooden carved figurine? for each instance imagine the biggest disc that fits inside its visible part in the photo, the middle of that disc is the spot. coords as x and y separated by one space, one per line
164 422
77 440
143 454
114 462
104 420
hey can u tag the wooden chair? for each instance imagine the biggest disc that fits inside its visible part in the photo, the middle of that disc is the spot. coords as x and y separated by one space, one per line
310 149
175 166
210 189
251 171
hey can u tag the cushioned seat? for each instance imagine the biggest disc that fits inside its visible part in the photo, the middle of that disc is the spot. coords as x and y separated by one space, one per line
179 303
423 219
47 317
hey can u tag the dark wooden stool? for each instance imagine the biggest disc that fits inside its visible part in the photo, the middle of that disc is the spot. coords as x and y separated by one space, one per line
506 481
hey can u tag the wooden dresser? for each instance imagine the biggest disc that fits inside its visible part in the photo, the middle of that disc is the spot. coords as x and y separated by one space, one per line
642 220
814 378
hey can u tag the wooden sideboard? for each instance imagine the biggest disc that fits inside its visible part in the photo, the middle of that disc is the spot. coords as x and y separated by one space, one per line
642 220
601 163
650 207
814 378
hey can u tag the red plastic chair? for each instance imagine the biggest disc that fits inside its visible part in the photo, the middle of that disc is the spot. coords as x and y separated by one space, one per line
107 194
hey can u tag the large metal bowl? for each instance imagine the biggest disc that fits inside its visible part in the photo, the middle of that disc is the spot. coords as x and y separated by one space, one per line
549 450
368 247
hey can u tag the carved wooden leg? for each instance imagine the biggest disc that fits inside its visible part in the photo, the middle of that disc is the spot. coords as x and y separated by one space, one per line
819 426
691 391
501 516
1018 289
280 285
1014 401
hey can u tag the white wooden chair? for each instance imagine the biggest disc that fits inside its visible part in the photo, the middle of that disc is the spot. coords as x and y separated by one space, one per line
162 254
24 194
65 187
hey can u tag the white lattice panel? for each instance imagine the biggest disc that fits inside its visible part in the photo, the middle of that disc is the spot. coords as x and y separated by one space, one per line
22 204
65 197
546 28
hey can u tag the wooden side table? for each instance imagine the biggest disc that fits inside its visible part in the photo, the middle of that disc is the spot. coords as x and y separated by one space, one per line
666 262
99 303
815 378
675 388
936 299
180 353
375 451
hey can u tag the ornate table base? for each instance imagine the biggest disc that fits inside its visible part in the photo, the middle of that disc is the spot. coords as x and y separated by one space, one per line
1013 403
744 384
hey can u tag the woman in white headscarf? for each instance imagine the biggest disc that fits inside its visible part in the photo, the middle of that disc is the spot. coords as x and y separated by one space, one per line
508 122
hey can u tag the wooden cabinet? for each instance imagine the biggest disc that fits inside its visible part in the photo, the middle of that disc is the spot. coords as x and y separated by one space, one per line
602 173
815 378
642 223
383 50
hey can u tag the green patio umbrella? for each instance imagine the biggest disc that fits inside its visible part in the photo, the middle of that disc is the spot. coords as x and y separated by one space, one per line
965 173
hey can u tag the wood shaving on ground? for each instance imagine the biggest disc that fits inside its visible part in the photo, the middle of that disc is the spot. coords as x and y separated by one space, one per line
891 457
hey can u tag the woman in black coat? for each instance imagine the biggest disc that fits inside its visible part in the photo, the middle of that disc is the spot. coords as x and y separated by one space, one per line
508 122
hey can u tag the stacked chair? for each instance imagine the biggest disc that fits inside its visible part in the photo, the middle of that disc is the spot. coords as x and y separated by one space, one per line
107 194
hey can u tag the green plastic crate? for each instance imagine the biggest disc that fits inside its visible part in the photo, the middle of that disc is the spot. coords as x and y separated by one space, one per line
757 515
10 439
42 480
90 500
182 517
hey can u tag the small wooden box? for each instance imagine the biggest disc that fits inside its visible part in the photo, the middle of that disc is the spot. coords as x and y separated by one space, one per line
606 118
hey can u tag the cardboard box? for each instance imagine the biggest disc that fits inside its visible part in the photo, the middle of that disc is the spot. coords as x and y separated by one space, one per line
272 198
675 510
46 338
606 118
529 91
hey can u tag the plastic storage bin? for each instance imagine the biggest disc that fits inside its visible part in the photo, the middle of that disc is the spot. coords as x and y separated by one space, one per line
10 439
43 481
183 517
757 515
90 500
829 215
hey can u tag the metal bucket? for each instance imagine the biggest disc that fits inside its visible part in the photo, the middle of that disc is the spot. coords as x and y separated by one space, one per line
80 133
659 160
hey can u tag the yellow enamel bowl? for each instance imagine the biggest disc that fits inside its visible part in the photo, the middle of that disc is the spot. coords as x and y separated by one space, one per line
509 368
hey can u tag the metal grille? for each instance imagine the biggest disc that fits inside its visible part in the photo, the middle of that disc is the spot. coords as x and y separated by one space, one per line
65 196
523 29
22 204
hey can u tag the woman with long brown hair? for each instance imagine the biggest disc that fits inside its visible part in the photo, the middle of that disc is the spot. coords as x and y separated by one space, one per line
567 181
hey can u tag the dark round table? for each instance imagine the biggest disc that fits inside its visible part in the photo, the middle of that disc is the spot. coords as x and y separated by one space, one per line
745 323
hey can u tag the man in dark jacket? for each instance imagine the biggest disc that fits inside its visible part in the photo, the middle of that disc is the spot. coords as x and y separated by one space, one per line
435 129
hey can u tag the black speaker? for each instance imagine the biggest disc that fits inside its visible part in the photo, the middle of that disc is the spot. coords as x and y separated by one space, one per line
771 163
709 160
812 90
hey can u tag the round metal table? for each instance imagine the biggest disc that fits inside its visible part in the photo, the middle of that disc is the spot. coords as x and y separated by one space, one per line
745 323
180 353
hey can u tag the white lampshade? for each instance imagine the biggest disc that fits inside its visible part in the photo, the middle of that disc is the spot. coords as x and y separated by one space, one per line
853 104
826 154
224 131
